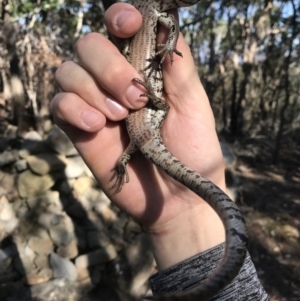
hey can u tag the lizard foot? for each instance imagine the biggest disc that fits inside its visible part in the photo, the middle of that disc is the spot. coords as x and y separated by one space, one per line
146 83
121 175
167 50
156 101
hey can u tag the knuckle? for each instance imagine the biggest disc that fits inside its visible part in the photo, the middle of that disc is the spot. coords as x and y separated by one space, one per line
63 69
86 41
115 71
59 104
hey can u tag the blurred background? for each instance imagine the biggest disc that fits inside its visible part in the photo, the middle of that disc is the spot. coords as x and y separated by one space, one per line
60 237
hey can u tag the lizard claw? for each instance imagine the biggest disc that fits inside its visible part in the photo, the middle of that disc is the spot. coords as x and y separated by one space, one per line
167 50
146 84
121 175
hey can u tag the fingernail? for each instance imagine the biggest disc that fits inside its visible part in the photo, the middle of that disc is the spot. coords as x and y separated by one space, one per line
133 94
115 108
90 118
123 17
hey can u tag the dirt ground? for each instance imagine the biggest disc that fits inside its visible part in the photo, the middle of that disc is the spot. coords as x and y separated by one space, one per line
269 197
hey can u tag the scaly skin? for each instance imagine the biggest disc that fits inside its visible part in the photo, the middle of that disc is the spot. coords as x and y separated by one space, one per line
144 130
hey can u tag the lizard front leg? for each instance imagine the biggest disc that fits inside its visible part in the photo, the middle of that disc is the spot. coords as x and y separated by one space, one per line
120 172
158 102
168 21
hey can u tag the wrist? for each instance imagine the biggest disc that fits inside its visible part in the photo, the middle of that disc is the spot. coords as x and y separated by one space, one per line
189 233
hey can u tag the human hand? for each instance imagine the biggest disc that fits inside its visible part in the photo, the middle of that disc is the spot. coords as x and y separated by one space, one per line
98 93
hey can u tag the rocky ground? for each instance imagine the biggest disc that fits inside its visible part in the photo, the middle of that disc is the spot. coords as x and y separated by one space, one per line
62 239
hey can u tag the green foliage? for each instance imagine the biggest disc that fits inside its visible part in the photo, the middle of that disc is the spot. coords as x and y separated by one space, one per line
28 6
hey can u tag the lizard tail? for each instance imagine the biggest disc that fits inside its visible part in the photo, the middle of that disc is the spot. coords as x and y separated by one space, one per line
234 223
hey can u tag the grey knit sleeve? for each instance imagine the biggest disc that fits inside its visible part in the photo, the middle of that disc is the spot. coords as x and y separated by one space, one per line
193 271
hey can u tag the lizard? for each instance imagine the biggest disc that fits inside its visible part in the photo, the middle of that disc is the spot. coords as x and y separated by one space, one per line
144 126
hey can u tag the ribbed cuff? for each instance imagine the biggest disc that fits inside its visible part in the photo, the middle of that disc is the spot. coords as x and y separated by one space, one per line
193 271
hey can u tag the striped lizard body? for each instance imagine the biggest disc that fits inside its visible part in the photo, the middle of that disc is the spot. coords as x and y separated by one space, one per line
144 130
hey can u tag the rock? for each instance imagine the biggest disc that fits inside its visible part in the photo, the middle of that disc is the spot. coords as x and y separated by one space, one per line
121 221
13 291
5 261
81 239
96 257
47 125
116 235
62 268
103 198
84 203
136 264
69 251
132 228
41 261
96 275
47 219
8 157
84 276
8 251
97 239
45 163
95 222
24 264
92 194
33 147
21 208
21 165
102 203
291 231
30 184
108 216
111 292
75 167
68 223
2 232
11 225
9 222
7 181
47 200
76 211
13 195
230 158
88 172
11 131
4 143
32 136
41 245
6 210
65 186
60 142
58 290
82 184
40 276
19 239
63 232
97 197
33 144
28 252
6 278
